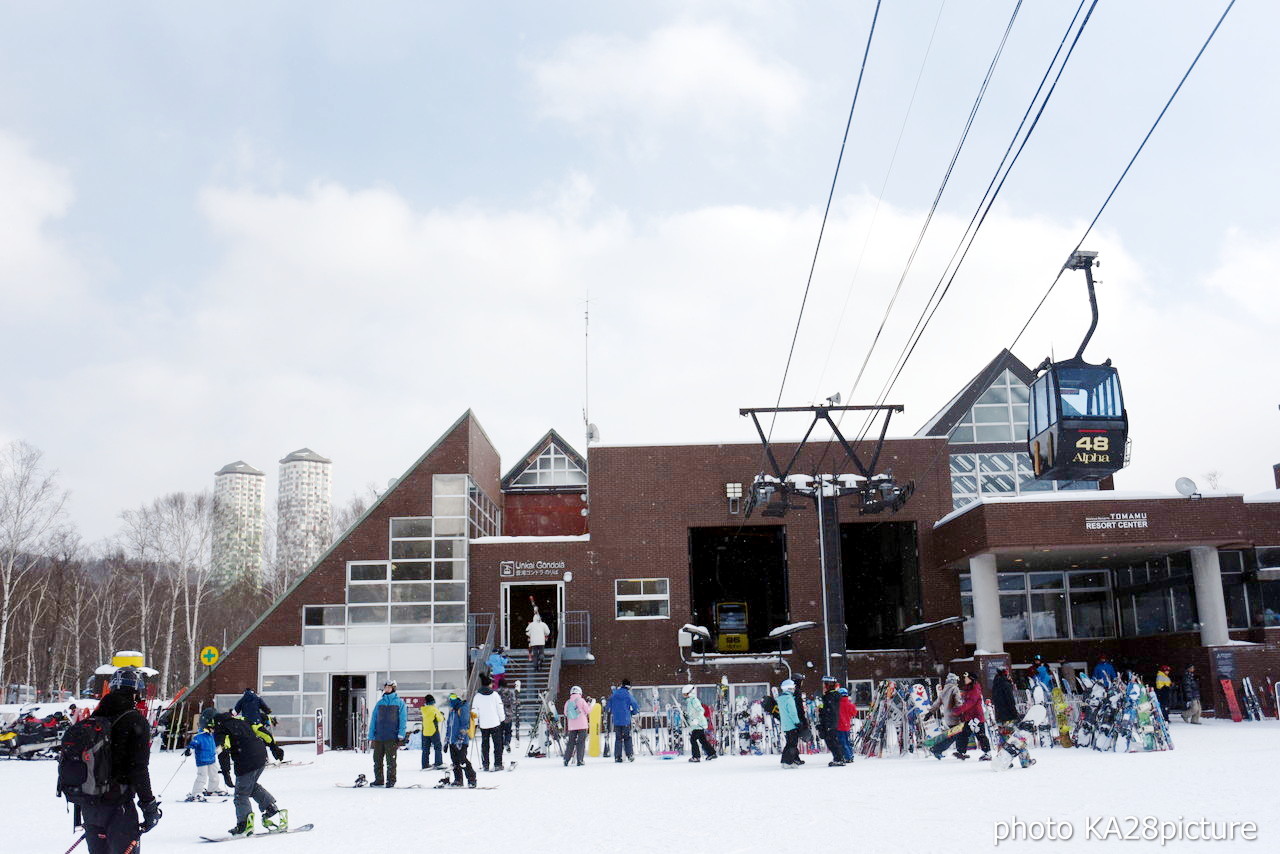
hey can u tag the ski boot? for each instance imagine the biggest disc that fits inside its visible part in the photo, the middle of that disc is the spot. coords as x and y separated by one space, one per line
986 757
958 755
695 759
360 782
194 799
275 820
243 828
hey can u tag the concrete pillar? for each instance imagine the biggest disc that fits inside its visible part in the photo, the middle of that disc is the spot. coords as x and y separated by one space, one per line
1211 604
986 604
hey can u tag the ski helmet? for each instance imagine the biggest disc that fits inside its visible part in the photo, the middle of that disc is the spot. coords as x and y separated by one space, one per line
575 690
829 678
687 690
392 683
788 685
844 692
130 678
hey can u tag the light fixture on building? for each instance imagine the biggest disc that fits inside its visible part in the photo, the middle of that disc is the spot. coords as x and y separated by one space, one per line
733 492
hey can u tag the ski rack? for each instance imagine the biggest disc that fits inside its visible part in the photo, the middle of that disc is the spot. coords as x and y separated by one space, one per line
876 491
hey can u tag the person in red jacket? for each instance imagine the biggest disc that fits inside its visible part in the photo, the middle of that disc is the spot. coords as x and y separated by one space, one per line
844 723
971 714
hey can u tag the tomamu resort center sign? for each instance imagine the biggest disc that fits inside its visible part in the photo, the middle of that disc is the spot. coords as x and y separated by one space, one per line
1113 521
530 568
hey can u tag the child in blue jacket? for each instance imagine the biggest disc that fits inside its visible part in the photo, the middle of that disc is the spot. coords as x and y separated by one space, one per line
207 780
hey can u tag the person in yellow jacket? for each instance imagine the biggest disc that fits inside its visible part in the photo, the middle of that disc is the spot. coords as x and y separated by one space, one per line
432 721
1164 688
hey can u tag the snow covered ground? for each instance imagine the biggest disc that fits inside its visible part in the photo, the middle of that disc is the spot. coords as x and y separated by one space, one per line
1221 771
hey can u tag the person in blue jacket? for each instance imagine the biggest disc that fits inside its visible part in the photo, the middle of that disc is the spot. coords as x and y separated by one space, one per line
498 662
207 780
790 722
386 732
621 707
252 708
458 734
1041 674
1104 671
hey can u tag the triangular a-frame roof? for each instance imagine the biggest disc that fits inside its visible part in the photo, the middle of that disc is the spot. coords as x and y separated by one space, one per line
953 413
551 437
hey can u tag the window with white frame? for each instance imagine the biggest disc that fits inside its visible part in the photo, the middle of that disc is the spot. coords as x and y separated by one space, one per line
553 467
976 475
999 415
642 598
1047 605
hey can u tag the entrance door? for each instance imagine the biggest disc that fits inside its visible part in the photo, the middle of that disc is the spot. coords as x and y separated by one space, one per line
518 601
348 693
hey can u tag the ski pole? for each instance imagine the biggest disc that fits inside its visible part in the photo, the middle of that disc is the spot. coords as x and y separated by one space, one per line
175 774
74 844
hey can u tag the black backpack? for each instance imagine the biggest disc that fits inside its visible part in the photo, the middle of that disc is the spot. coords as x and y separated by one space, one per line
84 764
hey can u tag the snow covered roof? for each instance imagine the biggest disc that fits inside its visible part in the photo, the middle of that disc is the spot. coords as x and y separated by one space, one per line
574 538
1068 496
305 455
1272 495
238 467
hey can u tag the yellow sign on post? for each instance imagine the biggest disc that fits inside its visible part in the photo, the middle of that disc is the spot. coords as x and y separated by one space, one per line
209 656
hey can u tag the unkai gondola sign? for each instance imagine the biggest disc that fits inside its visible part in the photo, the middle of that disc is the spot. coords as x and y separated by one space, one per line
1115 521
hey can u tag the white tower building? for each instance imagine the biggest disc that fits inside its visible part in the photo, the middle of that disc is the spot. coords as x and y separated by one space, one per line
304 512
239 509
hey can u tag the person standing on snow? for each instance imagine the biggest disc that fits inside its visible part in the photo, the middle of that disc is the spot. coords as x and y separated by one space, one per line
490 714
829 720
1164 688
206 751
511 710
1104 671
240 743
972 716
387 724
1040 673
1003 699
789 720
844 723
948 701
458 735
696 716
1191 693
576 712
622 706
432 730
498 662
537 632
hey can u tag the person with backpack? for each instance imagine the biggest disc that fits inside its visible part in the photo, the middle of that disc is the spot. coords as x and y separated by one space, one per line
498 662
206 751
511 709
387 724
103 767
622 706
829 720
537 632
458 735
432 730
252 708
789 720
489 717
239 743
576 712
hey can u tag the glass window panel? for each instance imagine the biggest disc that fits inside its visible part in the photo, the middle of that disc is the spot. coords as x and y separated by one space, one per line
1179 564
449 484
1030 484
450 680
309 727
411 634
629 588
322 636
1087 579
451 527
367 593
1237 604
324 615
990 415
411 592
963 463
966 611
280 683
450 570
1020 413
1020 393
1091 614
411 527
366 614
1152 612
412 681
1184 608
1268 557
411 571
311 702
1126 616
451 591
288 727
993 433
313 682
1231 561
450 634
1048 615
1045 580
997 484
417 549
1269 601
1012 581
656 586
962 433
1013 617
448 549
995 394
642 608
451 613
448 507
369 635
966 583
367 571
412 614
965 483
995 463
283 704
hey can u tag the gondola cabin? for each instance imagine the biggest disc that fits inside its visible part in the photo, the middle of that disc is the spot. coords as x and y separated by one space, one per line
731 627
1078 426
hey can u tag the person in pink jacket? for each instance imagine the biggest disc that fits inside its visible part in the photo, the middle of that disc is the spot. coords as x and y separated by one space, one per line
576 712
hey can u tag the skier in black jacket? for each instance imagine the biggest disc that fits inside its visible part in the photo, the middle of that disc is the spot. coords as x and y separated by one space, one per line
240 742
113 827
829 720
1002 698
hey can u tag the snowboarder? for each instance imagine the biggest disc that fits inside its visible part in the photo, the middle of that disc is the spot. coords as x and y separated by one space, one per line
576 713
1104 671
971 716
458 735
1003 699
490 714
432 724
622 705
537 632
696 715
111 826
386 731
498 662
1191 694
844 725
239 743
829 720
789 720
206 751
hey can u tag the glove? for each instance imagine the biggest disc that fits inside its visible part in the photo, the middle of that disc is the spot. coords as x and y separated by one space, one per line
272 719
187 752
150 815
226 778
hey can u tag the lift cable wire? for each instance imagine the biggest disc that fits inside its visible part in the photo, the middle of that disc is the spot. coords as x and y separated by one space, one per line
955 156
1119 180
825 213
946 446
988 201
875 213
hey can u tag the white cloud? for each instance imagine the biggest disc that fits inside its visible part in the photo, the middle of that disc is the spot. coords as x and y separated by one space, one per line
701 76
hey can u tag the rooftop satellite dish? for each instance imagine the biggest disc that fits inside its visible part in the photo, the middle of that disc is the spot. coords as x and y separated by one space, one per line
593 433
1186 486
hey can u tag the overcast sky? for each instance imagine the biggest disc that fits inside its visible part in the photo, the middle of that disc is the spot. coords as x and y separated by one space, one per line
230 231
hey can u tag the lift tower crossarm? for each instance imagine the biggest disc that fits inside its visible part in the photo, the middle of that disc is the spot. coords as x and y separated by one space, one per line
822 413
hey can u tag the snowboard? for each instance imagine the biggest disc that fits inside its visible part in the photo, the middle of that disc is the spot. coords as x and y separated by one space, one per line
593 729
1229 690
303 829
1061 711
289 763
446 784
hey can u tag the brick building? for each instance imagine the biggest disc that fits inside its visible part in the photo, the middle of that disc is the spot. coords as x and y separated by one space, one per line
661 540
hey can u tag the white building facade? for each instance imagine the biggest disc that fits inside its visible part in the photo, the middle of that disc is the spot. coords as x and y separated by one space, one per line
238 522
304 513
